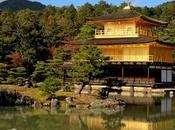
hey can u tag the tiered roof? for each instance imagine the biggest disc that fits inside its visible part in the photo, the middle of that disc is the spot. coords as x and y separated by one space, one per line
118 41
125 14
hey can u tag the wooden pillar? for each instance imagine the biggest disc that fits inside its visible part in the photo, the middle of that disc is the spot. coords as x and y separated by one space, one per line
122 72
132 91
148 77
147 113
64 76
148 72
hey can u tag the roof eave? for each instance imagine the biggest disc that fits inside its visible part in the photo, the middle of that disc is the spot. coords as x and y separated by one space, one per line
155 21
111 20
165 43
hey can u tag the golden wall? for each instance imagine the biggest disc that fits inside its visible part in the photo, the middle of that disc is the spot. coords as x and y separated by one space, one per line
118 28
161 53
127 53
124 29
146 52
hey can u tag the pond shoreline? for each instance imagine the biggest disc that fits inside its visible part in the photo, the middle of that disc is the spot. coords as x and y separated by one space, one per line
33 94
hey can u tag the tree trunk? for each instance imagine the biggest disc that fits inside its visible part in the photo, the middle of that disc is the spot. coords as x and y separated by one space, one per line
89 89
81 88
81 123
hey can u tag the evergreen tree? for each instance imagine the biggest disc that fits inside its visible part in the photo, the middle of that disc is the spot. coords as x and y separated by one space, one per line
167 34
87 64
51 27
100 8
30 42
87 31
50 86
7 34
86 10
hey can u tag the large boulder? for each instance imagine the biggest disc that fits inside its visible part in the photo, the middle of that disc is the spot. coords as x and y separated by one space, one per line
54 103
70 102
82 106
9 97
37 104
28 84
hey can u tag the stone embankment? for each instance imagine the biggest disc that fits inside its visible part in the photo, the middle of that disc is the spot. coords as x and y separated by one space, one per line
10 97
52 104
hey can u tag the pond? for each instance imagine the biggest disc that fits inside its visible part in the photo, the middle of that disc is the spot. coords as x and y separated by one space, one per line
131 117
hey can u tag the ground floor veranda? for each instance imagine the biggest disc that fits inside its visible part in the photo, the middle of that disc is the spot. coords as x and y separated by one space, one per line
141 74
136 74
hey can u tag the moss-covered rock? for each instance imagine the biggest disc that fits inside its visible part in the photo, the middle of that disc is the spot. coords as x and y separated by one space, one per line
9 97
105 103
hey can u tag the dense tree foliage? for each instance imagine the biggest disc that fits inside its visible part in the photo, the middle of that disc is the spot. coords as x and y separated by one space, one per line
167 34
51 68
51 73
87 31
12 75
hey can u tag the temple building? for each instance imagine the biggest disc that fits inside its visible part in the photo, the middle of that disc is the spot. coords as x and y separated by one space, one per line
137 56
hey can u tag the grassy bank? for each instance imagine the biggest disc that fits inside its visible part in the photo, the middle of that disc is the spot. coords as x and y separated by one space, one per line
31 92
36 94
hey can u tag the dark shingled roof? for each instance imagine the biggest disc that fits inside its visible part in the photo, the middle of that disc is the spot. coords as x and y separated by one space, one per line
118 41
111 41
125 14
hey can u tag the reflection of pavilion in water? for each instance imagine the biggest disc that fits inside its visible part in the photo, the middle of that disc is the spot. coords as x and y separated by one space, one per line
145 117
149 118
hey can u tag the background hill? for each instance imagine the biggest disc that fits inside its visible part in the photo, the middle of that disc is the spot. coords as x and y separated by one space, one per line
15 5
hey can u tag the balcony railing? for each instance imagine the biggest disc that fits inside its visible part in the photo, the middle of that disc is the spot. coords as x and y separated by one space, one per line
131 58
124 33
118 33
140 58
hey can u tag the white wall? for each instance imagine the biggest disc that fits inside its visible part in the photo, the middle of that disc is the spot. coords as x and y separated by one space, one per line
169 75
166 75
163 76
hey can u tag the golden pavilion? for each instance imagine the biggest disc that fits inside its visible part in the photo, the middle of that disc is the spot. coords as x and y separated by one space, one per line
137 56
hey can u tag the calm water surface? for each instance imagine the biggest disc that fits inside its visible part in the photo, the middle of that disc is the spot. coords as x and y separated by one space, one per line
140 117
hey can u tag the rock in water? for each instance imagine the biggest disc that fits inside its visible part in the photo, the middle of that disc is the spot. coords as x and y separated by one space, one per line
97 104
83 106
54 103
13 129
70 102
46 104
107 103
37 104
9 97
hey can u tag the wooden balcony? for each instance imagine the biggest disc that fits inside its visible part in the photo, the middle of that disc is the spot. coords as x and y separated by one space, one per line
143 81
131 58
115 34
121 33
139 58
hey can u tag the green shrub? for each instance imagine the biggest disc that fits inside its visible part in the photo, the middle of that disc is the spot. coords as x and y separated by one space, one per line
3 66
20 81
50 86
20 72
1 79
40 72
10 80
3 73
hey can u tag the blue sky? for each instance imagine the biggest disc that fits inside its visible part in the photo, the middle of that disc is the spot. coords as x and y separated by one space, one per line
150 3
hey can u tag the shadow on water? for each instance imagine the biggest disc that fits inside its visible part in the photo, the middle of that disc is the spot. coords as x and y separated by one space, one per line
132 117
